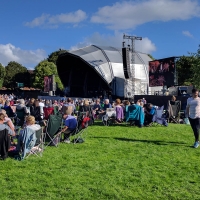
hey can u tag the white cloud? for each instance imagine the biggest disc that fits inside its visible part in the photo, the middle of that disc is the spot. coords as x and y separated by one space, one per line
38 21
145 45
27 58
52 21
187 33
129 14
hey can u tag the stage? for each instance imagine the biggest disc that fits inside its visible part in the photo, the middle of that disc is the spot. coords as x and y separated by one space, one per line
161 100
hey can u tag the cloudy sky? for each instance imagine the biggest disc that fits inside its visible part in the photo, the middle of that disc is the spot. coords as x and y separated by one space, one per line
32 29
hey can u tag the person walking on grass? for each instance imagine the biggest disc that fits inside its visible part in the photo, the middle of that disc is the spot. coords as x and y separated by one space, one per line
193 112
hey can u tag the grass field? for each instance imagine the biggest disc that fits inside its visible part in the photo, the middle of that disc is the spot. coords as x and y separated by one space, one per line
116 162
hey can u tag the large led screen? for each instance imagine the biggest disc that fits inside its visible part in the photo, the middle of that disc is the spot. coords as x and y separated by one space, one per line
161 72
49 82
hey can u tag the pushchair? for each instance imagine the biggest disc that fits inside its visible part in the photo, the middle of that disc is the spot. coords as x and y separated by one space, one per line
109 117
173 109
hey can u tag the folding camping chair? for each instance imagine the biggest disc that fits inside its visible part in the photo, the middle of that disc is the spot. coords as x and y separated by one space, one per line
52 134
134 113
173 109
109 117
79 134
26 141
39 144
159 117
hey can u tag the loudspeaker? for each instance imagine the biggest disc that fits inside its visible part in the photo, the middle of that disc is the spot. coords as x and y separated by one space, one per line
126 62
52 83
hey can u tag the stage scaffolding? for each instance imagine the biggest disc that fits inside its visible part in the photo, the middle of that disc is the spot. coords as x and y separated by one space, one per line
133 85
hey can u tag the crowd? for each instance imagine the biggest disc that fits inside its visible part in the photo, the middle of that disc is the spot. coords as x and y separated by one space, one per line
34 113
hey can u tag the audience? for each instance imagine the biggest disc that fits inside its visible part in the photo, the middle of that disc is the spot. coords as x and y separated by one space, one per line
67 108
8 109
97 108
37 111
105 106
8 121
30 123
119 111
21 106
4 125
70 124
149 111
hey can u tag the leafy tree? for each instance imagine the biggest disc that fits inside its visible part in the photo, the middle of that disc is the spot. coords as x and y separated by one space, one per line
2 74
188 68
54 55
151 56
196 68
184 70
43 69
15 72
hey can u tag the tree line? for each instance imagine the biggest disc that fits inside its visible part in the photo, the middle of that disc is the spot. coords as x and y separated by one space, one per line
15 73
188 70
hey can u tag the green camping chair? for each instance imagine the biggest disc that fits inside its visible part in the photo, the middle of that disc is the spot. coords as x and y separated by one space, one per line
52 135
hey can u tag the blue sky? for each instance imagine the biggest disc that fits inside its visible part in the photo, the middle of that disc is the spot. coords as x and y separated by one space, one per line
32 29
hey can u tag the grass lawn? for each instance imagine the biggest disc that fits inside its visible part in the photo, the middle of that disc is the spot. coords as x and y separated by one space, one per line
116 162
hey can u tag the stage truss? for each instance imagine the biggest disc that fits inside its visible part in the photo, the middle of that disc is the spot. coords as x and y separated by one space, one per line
134 86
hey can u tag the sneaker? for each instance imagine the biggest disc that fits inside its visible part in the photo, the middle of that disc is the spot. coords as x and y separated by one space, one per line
196 144
67 141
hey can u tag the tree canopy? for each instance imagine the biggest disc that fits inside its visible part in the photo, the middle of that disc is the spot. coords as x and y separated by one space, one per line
188 68
184 70
54 55
2 74
15 72
46 68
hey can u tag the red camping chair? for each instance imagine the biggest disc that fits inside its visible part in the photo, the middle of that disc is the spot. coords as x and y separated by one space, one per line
47 112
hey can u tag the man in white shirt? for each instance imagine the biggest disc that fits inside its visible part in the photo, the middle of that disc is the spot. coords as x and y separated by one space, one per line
193 112
41 103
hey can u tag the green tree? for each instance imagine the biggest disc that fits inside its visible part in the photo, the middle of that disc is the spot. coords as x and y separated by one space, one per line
43 69
54 55
184 68
151 56
15 72
188 68
2 74
196 68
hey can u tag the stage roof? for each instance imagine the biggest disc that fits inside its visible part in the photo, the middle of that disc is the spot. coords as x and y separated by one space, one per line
102 62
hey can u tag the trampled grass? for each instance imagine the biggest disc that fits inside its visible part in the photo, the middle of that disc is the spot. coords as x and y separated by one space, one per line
116 162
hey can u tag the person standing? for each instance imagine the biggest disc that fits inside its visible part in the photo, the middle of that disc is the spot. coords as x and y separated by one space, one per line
193 113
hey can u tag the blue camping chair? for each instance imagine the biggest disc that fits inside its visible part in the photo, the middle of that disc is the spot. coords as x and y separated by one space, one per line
26 142
134 113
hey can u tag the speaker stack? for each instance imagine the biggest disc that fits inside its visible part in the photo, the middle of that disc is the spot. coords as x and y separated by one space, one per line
126 62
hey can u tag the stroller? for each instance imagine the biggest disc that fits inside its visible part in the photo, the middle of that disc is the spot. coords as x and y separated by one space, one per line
109 117
174 108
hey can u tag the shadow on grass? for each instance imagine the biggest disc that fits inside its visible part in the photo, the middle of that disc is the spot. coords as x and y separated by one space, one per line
157 142
100 123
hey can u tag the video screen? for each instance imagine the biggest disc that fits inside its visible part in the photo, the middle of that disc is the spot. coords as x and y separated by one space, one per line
162 72
48 82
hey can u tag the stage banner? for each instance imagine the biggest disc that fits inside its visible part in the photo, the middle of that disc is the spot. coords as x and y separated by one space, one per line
49 83
46 84
162 72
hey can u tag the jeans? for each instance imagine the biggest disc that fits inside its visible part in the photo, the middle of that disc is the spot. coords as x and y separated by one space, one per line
195 124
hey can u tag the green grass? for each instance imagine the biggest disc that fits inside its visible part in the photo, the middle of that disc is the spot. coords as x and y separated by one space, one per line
116 162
